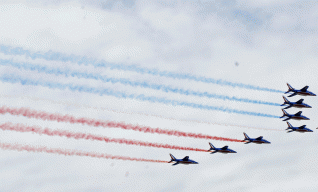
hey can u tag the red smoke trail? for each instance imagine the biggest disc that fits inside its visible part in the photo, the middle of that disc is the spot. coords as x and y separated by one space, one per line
93 122
46 131
134 113
72 152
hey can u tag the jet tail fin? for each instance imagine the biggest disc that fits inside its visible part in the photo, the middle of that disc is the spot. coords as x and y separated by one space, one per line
212 147
246 136
289 125
285 101
285 113
290 88
172 158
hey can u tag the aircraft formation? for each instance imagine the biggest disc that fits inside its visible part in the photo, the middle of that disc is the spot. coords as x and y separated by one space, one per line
260 140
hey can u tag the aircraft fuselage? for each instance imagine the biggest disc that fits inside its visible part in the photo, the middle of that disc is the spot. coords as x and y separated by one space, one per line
186 162
299 118
305 94
300 106
259 142
303 130
224 151
181 161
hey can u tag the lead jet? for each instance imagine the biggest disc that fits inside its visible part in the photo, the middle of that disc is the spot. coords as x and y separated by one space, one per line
185 160
297 104
258 140
302 91
224 149
296 116
301 129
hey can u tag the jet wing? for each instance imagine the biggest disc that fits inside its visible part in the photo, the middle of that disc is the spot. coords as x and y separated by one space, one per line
186 158
300 101
298 114
292 95
225 147
259 138
288 107
304 89
302 127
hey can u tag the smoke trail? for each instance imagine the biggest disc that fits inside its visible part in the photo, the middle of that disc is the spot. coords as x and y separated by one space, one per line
133 113
144 84
104 91
61 133
66 152
55 56
96 123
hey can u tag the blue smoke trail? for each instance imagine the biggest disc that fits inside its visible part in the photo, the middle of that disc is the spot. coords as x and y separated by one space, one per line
56 56
103 91
67 73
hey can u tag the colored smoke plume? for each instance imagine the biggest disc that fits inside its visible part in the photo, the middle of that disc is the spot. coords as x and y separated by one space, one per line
83 106
56 56
68 134
96 123
123 95
143 84
66 152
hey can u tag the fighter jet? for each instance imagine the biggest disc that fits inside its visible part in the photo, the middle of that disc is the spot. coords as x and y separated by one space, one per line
302 91
185 160
224 149
258 140
296 116
297 104
301 129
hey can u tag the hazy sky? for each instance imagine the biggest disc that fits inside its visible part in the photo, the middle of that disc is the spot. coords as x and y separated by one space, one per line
164 51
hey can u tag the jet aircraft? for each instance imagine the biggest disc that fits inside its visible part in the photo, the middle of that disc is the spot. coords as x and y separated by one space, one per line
258 140
302 91
301 129
185 160
224 149
296 116
297 104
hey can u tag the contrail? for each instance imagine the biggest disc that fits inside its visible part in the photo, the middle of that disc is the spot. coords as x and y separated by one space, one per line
141 97
83 106
143 84
77 135
99 123
66 152
56 56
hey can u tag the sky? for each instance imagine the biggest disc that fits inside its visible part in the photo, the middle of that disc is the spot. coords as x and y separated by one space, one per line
158 64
